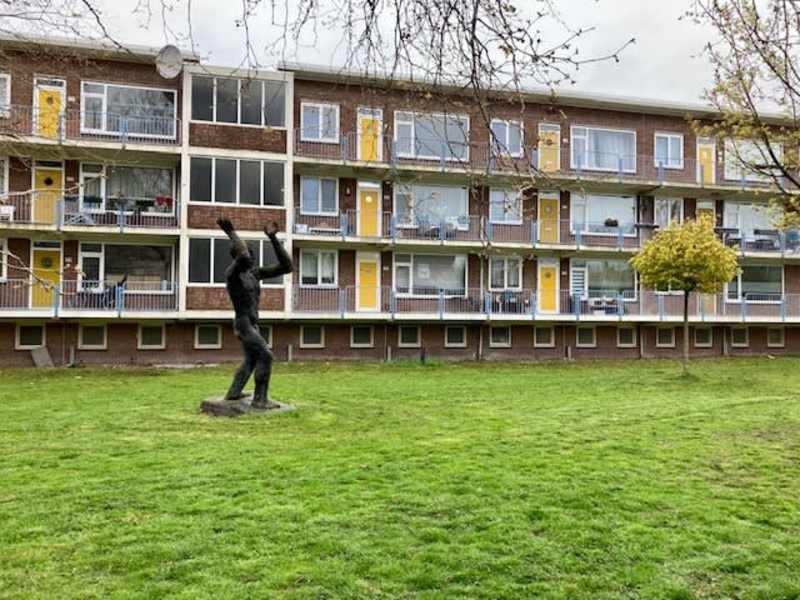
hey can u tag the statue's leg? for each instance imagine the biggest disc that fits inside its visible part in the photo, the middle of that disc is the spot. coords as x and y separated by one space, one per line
243 372
263 371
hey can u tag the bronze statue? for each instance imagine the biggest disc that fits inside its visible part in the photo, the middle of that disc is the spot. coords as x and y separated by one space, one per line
243 282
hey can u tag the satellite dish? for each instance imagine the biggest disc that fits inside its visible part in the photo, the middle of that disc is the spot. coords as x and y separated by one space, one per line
169 62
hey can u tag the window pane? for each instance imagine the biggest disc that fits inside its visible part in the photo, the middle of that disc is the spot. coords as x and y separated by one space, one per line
225 182
227 100
662 150
199 261
202 98
609 278
140 110
327 268
308 268
31 335
208 335
147 267
91 268
152 335
439 272
251 102
310 123
409 335
93 115
498 273
439 204
455 336
512 267
609 213
585 336
200 180
330 123
402 277
136 187
312 335
515 138
309 195
500 135
275 103
608 150
222 258
329 195
273 184
93 335
543 336
250 182
500 336
362 335
762 282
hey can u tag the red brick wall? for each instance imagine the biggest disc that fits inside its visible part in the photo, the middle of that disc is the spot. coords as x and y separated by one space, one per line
237 137
244 218
216 298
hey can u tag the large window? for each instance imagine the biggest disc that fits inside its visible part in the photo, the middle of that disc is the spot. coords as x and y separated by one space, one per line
118 109
420 205
669 150
505 274
319 196
318 268
757 283
239 101
209 258
603 214
319 122
431 136
598 278
748 160
148 268
668 211
603 149
430 274
505 207
750 219
113 188
236 181
507 137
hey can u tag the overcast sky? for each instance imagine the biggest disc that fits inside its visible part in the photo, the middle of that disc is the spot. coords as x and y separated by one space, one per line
664 63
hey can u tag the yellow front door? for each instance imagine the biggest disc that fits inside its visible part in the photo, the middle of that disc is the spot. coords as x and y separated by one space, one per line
367 284
48 185
549 148
46 274
368 213
548 287
49 103
369 136
705 162
548 220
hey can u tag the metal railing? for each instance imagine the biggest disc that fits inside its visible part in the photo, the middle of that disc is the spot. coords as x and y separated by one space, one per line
72 124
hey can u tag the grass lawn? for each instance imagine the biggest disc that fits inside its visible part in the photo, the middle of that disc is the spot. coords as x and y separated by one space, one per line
603 480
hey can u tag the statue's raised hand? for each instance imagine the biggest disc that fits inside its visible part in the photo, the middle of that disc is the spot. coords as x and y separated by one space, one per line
271 228
225 224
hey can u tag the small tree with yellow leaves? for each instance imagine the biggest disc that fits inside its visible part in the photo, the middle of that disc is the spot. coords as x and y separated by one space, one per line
688 257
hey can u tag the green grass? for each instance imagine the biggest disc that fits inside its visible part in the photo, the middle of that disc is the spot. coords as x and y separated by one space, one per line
601 480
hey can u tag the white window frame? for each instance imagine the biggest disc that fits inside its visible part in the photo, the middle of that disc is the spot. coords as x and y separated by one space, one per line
141 346
17 342
304 344
493 343
238 122
3 259
212 260
5 109
319 252
506 287
102 254
399 117
585 294
320 212
410 189
589 128
584 200
739 299
237 200
101 268
84 175
410 265
749 176
501 146
448 343
198 345
507 195
401 344
578 343
671 343
82 345
551 329
709 343
632 343
669 137
746 343
782 343
104 131
670 199
320 106
370 344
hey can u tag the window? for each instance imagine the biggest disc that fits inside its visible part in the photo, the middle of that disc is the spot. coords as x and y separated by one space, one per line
585 336
665 337
92 337
749 219
505 206
29 337
707 208
776 337
507 137
239 101
593 213
505 274
319 122
669 211
319 196
431 206
544 337
318 268
361 336
116 187
740 337
757 283
234 181
429 274
207 337
602 279
431 136
120 109
749 160
455 337
669 150
312 336
149 268
209 258
626 337
603 149
5 95
500 337
703 337
151 337
409 336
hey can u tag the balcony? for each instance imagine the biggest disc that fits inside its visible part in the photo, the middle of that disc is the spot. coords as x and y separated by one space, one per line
41 208
72 298
74 125
556 164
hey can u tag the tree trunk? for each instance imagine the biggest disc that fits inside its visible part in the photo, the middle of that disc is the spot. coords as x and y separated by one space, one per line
685 332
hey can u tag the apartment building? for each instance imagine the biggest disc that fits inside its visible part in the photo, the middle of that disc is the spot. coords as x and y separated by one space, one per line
416 223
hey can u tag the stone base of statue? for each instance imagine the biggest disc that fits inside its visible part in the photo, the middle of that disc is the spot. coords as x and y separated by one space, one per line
220 407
